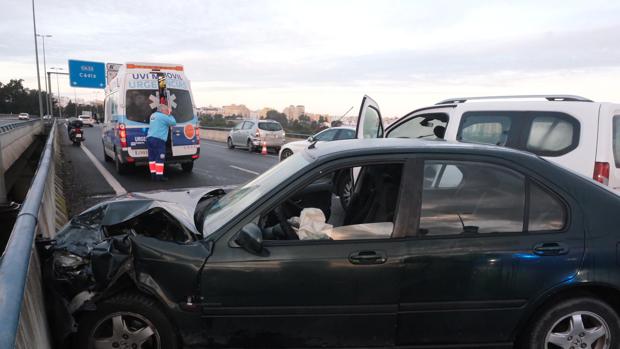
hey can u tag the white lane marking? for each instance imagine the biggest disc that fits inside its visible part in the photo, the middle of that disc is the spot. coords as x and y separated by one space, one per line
244 170
118 188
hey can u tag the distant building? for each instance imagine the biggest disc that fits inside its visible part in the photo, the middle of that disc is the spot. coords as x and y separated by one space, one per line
210 110
234 109
293 112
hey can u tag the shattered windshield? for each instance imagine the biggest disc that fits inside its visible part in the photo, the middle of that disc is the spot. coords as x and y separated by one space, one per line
228 206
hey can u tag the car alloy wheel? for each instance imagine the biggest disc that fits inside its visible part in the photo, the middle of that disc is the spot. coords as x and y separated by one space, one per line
125 330
577 330
230 143
250 146
285 154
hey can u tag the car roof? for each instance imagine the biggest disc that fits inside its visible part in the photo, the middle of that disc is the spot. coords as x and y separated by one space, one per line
356 147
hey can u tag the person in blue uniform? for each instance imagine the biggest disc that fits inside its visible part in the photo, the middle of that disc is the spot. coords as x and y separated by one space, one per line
159 126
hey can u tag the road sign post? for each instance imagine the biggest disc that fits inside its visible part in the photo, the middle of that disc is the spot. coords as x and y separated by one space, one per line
87 74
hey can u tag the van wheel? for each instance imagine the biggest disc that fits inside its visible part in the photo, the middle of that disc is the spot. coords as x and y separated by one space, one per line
126 321
576 323
250 146
187 166
230 143
121 168
106 157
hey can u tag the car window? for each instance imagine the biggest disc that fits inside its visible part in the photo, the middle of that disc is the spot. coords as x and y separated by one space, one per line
487 129
238 126
325 136
550 133
372 127
337 207
427 126
546 211
616 140
345 134
270 126
486 199
248 125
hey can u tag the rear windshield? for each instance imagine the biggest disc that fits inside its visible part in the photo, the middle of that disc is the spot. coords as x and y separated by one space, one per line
269 126
140 105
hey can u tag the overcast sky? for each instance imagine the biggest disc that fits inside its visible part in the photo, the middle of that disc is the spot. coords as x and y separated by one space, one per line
327 54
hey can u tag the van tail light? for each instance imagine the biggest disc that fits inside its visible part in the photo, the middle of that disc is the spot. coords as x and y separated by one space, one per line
257 134
122 134
601 172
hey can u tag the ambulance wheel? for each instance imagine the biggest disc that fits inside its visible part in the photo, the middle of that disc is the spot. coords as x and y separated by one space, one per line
187 166
106 157
250 146
121 168
230 143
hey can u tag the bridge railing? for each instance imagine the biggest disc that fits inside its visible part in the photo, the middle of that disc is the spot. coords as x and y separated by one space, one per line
23 320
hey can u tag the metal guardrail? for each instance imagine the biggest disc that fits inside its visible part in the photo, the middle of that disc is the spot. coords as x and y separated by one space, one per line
8 127
19 258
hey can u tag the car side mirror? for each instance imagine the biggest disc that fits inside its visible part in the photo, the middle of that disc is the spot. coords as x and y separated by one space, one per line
310 139
251 238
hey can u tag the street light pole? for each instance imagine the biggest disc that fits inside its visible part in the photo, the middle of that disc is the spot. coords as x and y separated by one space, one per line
47 89
36 54
58 89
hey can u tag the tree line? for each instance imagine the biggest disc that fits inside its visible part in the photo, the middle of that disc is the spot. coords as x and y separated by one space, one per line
303 124
15 99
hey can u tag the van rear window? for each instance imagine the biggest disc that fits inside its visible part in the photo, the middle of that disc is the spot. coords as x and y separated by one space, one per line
140 105
269 126
616 140
543 133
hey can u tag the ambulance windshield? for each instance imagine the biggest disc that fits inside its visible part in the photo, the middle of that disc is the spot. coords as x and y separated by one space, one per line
140 104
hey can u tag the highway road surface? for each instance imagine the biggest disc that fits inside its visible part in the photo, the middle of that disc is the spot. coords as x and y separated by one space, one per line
91 179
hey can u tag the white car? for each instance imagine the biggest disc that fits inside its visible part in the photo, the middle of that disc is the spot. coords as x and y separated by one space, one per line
87 120
23 116
572 131
327 135
47 117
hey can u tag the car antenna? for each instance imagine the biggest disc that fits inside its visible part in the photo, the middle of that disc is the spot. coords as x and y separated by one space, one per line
313 144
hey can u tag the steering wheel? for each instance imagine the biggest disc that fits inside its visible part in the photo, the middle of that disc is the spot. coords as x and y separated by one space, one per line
286 226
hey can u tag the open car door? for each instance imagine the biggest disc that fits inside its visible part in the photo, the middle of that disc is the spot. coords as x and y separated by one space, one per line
369 122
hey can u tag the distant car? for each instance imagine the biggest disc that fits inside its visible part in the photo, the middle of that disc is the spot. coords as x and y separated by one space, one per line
23 116
251 134
327 135
47 117
87 120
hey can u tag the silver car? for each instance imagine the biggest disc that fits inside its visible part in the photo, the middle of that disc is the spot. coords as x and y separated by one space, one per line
251 134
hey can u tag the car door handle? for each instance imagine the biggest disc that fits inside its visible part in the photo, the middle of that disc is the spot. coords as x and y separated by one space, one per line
550 249
368 257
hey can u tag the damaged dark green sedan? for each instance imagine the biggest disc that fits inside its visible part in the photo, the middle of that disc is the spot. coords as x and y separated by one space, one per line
436 244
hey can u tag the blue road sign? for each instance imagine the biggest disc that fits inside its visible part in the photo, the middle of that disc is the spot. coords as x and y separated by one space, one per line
86 74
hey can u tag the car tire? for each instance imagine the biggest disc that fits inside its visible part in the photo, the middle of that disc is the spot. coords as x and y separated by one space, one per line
285 154
559 324
135 315
106 157
250 146
187 166
121 168
230 144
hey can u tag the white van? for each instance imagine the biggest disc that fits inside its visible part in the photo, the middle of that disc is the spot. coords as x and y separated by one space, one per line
572 131
131 98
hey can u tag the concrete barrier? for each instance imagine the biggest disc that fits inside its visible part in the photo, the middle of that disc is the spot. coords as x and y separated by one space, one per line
221 135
